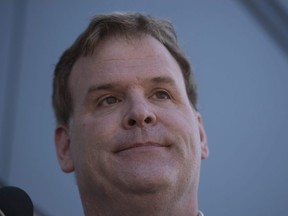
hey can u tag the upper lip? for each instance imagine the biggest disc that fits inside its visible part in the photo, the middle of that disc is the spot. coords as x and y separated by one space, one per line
138 144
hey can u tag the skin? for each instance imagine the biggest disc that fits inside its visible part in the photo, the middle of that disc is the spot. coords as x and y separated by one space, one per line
134 141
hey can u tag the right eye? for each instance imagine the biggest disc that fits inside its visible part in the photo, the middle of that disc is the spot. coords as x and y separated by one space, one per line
107 101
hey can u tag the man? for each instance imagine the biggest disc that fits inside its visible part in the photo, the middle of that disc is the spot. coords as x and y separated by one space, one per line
127 122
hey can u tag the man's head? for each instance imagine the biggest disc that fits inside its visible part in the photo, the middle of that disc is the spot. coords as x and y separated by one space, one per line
103 27
129 127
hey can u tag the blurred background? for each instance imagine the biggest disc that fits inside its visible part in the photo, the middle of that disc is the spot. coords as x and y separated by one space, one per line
239 53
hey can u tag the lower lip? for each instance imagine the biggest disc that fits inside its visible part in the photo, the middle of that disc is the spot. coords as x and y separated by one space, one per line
143 148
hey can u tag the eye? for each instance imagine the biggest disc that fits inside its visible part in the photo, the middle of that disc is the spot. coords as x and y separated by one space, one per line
108 101
161 95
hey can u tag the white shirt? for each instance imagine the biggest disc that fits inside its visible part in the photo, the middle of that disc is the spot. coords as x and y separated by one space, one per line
200 213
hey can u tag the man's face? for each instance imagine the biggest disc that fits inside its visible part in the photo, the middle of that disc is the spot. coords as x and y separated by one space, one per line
133 128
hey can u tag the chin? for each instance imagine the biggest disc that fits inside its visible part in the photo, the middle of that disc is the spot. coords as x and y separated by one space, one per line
148 179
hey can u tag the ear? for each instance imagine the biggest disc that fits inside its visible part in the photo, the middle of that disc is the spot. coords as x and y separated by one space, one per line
63 148
203 138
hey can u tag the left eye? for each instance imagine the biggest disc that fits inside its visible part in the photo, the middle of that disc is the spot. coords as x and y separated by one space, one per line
162 95
110 100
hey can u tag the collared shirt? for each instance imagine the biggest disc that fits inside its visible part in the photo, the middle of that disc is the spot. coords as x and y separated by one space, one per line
200 213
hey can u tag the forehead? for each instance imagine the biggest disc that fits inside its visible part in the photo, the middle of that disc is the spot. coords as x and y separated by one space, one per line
128 52
118 59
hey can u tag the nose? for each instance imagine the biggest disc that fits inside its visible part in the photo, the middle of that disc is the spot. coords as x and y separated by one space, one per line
139 114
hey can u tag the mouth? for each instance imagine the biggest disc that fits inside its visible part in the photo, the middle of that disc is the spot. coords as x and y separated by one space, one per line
141 146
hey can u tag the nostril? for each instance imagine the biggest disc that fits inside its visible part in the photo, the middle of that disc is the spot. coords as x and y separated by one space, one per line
131 122
148 120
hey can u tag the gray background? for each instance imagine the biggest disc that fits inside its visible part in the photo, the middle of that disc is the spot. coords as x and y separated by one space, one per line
242 76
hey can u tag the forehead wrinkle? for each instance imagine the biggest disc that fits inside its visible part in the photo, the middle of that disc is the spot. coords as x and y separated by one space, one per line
132 58
119 64
116 85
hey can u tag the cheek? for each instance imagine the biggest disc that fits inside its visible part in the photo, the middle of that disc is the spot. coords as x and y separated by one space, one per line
90 147
91 136
81 136
183 120
96 128
182 124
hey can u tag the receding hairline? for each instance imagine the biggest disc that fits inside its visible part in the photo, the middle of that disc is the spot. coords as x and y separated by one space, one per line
127 37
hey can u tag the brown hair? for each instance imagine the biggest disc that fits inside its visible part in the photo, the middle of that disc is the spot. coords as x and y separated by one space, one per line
101 28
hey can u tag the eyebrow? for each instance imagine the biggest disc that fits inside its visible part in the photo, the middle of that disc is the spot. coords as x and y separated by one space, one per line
105 86
163 79
115 85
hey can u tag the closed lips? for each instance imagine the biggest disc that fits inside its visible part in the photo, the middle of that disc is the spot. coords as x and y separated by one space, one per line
140 145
